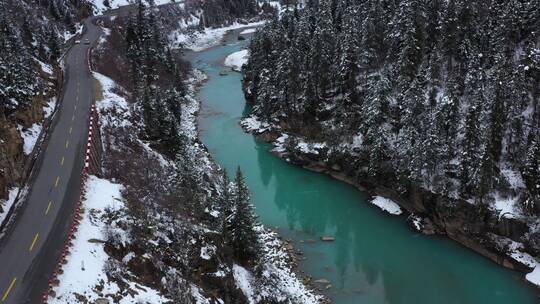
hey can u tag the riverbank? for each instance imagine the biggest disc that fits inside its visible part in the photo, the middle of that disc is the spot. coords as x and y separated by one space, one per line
421 216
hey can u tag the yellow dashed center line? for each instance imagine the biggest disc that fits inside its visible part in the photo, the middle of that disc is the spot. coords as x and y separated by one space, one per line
48 207
57 181
62 161
73 117
67 144
70 130
6 294
34 242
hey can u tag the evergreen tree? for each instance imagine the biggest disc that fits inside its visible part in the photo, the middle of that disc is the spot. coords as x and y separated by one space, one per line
241 222
531 175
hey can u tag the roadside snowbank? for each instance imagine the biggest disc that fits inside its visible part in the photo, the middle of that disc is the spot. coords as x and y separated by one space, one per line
237 60
84 272
4 206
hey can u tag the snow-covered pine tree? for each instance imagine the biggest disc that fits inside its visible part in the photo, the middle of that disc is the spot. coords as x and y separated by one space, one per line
241 222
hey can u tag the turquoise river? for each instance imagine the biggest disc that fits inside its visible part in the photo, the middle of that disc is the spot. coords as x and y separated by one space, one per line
376 258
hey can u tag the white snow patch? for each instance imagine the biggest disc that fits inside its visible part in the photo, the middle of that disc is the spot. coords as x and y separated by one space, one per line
253 124
248 31
47 68
112 102
386 205
310 148
243 280
199 298
237 60
513 178
514 250
48 109
417 222
78 31
30 137
207 252
506 206
279 144
357 141
534 276
277 272
85 267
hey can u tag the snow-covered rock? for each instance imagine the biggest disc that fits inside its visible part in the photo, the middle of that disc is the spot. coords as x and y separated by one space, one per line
386 205
237 60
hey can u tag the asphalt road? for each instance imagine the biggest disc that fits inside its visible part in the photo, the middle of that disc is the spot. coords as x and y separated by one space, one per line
31 248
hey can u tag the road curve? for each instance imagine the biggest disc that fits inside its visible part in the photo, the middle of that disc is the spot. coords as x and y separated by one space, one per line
31 248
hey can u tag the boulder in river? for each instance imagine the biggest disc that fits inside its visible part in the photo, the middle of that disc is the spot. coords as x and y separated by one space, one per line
328 238
322 281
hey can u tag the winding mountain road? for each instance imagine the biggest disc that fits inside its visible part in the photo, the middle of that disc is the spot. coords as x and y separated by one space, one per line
31 248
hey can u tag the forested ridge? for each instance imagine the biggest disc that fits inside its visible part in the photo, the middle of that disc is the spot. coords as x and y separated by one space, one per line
439 95
30 29
32 37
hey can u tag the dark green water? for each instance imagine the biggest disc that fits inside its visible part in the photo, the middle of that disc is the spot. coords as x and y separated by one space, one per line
376 258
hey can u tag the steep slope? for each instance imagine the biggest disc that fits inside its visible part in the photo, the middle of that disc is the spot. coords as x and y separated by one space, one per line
436 100
32 39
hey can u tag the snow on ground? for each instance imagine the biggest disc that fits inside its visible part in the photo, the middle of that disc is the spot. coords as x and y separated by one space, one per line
48 109
78 30
243 280
191 107
47 68
514 250
200 41
277 272
534 276
513 178
6 205
112 102
310 148
248 31
237 60
85 267
506 206
207 252
253 124
30 137
100 7
357 141
416 220
279 144
386 205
